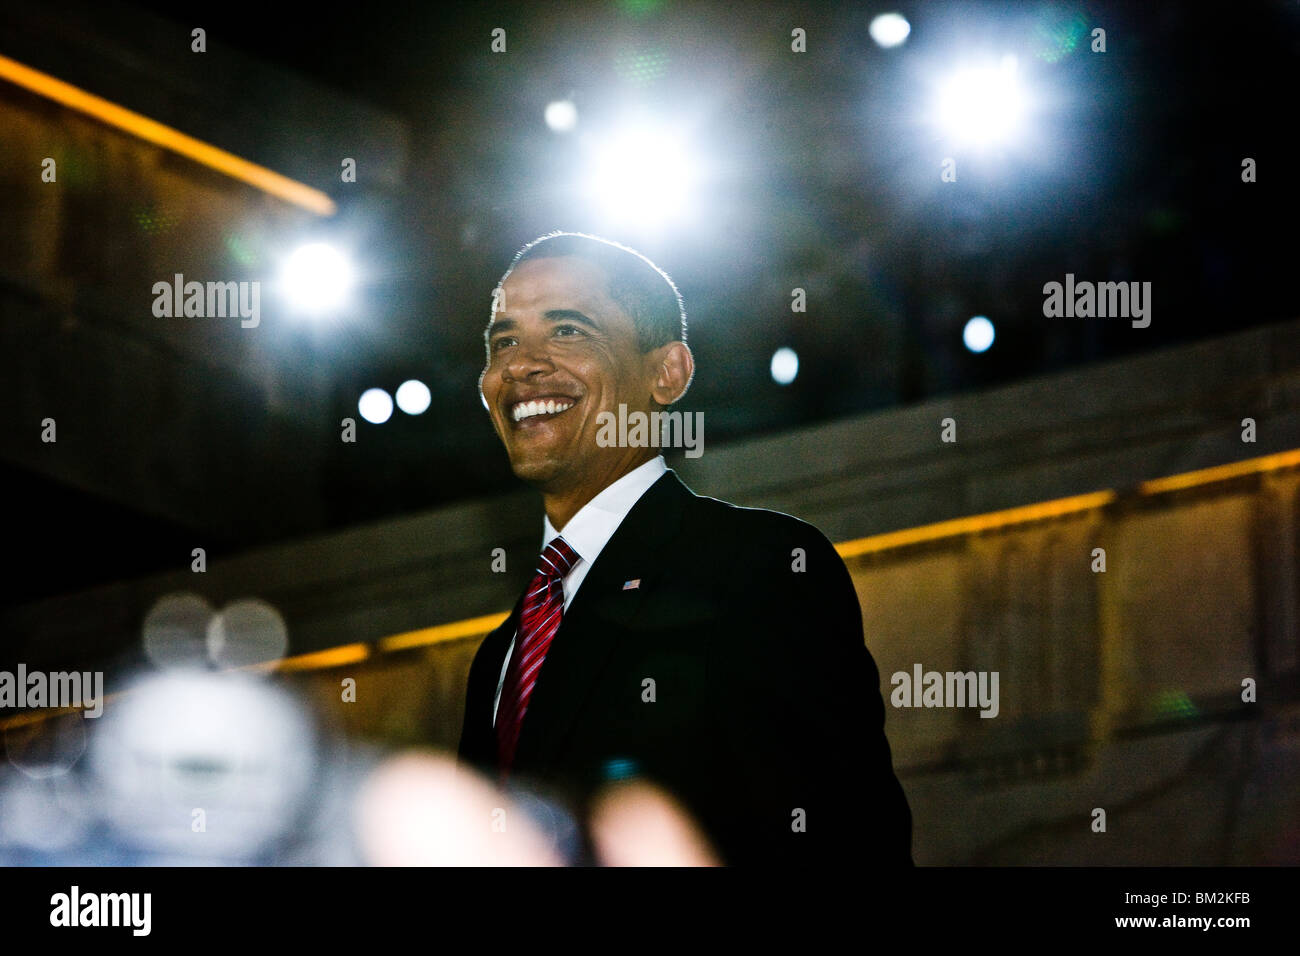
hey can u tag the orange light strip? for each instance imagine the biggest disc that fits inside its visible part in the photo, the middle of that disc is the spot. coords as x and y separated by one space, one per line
972 524
282 187
320 660
1190 479
443 632
38 716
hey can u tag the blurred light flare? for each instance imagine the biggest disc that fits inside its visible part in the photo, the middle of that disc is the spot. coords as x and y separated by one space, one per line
639 824
413 810
889 29
982 105
413 397
48 815
375 406
978 334
317 278
241 749
643 175
246 632
561 115
46 749
785 366
175 631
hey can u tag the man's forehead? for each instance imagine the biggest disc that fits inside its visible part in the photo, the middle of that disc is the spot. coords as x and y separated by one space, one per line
560 282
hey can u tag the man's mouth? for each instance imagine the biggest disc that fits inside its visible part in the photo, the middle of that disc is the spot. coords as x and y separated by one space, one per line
540 408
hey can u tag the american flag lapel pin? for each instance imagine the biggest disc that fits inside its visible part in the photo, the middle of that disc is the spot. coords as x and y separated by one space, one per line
631 585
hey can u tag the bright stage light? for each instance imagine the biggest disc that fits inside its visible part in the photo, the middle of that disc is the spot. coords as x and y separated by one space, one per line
413 397
978 334
316 278
982 105
889 29
561 115
785 366
375 406
643 176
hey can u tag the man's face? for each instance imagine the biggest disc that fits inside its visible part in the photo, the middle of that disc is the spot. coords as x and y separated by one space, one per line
557 337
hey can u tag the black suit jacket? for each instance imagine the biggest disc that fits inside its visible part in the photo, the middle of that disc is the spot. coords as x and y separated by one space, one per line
766 721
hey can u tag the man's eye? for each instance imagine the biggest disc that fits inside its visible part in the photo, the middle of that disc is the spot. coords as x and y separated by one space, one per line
567 328
498 344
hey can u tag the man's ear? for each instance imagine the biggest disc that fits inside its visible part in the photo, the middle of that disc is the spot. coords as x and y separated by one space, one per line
675 369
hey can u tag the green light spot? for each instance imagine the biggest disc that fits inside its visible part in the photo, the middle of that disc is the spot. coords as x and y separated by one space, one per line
639 8
1058 34
641 66
1173 705
240 251
152 221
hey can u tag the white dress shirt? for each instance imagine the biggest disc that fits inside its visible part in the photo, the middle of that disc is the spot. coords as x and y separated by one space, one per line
587 533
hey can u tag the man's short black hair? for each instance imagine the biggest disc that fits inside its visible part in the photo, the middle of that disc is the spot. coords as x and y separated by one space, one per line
637 285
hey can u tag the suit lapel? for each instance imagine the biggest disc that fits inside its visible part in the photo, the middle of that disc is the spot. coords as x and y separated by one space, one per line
600 617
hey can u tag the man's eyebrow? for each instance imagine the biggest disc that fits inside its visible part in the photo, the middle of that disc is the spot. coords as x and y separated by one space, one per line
569 315
506 324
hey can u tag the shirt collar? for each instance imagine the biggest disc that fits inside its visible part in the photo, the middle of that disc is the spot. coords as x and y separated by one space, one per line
597 520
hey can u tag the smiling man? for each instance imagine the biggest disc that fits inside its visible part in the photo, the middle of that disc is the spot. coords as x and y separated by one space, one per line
715 650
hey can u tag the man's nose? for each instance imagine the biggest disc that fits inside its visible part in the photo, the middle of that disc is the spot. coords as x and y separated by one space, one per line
530 357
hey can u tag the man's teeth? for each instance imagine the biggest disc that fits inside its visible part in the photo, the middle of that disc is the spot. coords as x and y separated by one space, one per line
529 409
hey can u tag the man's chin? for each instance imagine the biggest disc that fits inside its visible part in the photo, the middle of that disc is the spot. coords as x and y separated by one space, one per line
538 472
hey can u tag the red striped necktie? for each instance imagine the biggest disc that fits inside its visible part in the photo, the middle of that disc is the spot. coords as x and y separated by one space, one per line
538 621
